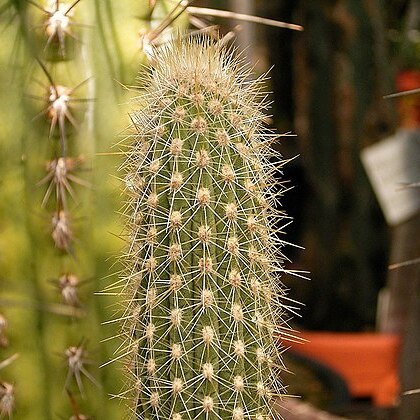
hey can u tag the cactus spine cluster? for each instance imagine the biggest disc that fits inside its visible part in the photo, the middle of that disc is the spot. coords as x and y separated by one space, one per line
204 299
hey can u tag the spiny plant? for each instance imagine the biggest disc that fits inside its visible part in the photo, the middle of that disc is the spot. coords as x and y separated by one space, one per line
204 307
51 129
53 73
7 390
56 129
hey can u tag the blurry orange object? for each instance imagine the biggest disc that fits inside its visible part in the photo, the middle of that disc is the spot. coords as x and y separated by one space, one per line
368 362
409 105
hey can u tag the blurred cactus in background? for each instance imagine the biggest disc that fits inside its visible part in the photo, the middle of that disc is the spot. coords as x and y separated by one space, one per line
62 64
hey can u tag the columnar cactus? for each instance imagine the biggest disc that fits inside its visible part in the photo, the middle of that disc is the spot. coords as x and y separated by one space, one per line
203 258
54 74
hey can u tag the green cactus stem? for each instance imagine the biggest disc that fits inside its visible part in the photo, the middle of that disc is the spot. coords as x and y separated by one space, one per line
204 301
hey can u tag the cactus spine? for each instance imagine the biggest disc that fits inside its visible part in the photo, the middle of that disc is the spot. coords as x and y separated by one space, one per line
203 260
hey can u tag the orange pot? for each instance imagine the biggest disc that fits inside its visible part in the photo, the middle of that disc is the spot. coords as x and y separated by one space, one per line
368 362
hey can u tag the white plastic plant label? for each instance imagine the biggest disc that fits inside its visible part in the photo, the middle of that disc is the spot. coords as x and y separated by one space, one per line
393 167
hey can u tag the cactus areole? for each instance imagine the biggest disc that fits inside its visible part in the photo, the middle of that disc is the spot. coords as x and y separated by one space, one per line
204 298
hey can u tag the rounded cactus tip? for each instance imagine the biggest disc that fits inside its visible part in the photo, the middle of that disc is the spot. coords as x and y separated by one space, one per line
202 267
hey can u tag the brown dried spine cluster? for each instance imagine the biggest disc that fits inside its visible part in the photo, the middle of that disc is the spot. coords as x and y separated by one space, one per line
55 45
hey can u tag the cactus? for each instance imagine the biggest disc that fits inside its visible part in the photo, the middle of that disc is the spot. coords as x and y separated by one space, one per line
51 260
59 61
201 270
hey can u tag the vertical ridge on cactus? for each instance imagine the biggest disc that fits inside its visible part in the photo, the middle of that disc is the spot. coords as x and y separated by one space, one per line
204 302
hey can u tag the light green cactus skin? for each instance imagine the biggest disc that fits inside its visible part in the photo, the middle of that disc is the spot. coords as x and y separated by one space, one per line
205 303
